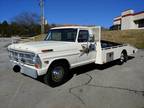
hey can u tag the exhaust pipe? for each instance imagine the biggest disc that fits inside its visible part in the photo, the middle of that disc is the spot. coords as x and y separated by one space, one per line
16 68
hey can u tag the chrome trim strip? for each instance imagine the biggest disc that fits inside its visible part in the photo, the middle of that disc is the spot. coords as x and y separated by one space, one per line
62 56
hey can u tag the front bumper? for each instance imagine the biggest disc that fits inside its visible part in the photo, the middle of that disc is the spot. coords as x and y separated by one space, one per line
29 70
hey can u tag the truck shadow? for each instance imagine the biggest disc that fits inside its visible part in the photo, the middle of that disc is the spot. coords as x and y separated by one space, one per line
93 66
87 68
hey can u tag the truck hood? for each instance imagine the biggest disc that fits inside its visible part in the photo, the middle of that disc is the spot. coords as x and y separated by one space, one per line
42 46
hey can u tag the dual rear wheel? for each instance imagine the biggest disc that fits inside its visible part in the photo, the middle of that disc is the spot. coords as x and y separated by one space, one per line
123 57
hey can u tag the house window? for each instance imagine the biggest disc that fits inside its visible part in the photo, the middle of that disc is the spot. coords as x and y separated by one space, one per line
140 23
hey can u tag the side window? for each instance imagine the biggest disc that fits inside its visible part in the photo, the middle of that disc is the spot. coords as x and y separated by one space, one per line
83 36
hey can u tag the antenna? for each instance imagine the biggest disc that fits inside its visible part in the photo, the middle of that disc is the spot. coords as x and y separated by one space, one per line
42 16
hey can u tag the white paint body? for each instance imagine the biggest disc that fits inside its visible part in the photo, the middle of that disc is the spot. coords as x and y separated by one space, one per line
70 51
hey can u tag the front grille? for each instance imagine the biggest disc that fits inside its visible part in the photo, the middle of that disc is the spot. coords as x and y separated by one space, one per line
22 57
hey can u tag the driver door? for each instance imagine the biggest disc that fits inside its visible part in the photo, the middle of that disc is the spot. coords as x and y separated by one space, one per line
84 47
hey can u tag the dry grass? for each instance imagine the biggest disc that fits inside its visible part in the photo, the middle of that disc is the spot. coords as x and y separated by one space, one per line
133 37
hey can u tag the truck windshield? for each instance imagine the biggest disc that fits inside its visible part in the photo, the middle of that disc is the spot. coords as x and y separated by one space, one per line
68 35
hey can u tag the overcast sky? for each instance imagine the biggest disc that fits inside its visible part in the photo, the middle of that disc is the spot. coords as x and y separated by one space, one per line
84 12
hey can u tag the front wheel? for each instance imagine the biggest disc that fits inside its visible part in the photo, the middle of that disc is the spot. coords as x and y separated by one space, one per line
56 74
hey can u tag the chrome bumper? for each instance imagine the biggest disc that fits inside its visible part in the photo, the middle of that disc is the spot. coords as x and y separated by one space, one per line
28 71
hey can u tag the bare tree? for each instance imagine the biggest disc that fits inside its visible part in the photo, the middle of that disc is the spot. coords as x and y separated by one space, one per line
27 19
28 24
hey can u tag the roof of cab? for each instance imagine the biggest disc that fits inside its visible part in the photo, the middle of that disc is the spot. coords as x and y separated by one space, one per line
65 27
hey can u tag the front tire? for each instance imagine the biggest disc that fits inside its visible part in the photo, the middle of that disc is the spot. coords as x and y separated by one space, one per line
56 75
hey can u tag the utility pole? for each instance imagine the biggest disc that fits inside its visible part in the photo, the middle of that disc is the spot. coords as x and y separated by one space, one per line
42 17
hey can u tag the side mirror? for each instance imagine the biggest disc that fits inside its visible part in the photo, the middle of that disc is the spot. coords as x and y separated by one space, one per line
91 38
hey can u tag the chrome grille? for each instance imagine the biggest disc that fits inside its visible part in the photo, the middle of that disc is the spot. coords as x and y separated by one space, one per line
22 57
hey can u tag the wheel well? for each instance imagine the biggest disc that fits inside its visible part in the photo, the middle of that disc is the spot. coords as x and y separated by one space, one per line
63 61
124 52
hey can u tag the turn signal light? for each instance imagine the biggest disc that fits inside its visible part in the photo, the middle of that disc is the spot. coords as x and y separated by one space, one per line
37 66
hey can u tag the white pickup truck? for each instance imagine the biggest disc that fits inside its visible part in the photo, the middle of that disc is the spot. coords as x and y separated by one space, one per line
65 48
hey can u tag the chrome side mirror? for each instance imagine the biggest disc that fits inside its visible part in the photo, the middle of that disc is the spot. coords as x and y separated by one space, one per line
91 38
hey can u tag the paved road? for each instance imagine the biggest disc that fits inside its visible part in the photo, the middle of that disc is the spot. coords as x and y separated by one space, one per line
111 87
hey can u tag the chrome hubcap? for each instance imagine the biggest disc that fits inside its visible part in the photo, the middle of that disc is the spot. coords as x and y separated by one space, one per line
57 73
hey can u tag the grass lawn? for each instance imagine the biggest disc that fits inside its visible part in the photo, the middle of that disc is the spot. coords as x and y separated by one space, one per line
133 37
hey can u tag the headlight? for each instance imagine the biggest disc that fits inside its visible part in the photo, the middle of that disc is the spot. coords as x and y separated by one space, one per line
13 55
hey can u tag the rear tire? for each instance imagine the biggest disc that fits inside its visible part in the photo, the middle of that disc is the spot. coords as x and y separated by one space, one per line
56 75
123 57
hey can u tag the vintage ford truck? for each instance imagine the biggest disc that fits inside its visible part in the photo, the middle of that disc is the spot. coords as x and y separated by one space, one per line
65 48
